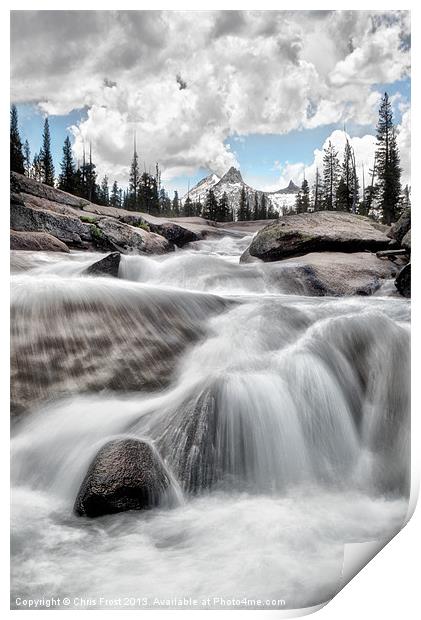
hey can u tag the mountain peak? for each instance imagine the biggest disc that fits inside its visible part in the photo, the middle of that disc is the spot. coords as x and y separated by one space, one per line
290 189
232 176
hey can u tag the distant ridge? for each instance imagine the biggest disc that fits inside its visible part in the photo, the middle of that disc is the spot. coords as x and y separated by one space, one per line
232 184
291 188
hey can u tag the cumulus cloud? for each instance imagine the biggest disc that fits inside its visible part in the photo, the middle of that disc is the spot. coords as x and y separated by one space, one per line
183 81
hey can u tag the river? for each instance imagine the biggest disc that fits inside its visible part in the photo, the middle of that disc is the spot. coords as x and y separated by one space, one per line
283 420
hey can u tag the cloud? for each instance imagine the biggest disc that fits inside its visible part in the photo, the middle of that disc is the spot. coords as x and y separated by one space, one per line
246 72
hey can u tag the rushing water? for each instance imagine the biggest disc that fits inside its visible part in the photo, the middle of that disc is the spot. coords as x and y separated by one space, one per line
283 420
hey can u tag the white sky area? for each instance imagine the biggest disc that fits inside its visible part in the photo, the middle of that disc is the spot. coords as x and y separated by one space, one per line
184 82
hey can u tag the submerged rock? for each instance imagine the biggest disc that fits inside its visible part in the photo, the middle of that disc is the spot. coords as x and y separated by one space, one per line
403 281
126 474
36 241
323 231
107 266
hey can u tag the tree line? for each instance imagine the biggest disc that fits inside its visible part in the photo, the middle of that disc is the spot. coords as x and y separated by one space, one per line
338 187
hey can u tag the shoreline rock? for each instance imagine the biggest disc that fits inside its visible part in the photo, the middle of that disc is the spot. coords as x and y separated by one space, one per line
323 231
128 239
333 273
70 230
36 242
403 281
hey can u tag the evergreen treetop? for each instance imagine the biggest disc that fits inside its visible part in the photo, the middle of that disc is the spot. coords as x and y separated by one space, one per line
17 161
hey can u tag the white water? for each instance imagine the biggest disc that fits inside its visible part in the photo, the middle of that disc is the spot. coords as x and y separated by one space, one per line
283 419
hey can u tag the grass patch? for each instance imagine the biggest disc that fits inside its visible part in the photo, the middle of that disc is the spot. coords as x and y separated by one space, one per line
97 233
142 225
87 219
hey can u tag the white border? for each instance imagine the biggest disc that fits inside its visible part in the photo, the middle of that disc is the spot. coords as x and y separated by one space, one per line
388 585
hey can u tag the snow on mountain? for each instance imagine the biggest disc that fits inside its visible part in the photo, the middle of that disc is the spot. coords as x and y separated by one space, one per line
232 183
199 191
284 198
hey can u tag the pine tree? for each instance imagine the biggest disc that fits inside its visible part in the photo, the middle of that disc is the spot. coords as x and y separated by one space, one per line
46 157
27 158
210 209
175 205
188 207
331 170
406 198
148 198
198 209
248 209
256 207
263 208
67 178
115 196
348 187
388 171
370 192
317 192
223 210
243 206
305 196
272 213
104 192
17 161
299 202
134 180
164 202
37 171
89 187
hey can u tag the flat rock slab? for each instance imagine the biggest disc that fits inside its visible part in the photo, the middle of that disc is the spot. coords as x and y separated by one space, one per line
36 241
334 273
324 231
21 183
68 229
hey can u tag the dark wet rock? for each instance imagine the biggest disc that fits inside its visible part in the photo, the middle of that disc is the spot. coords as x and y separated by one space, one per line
36 241
174 233
70 230
107 266
126 474
406 241
403 281
324 231
400 228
